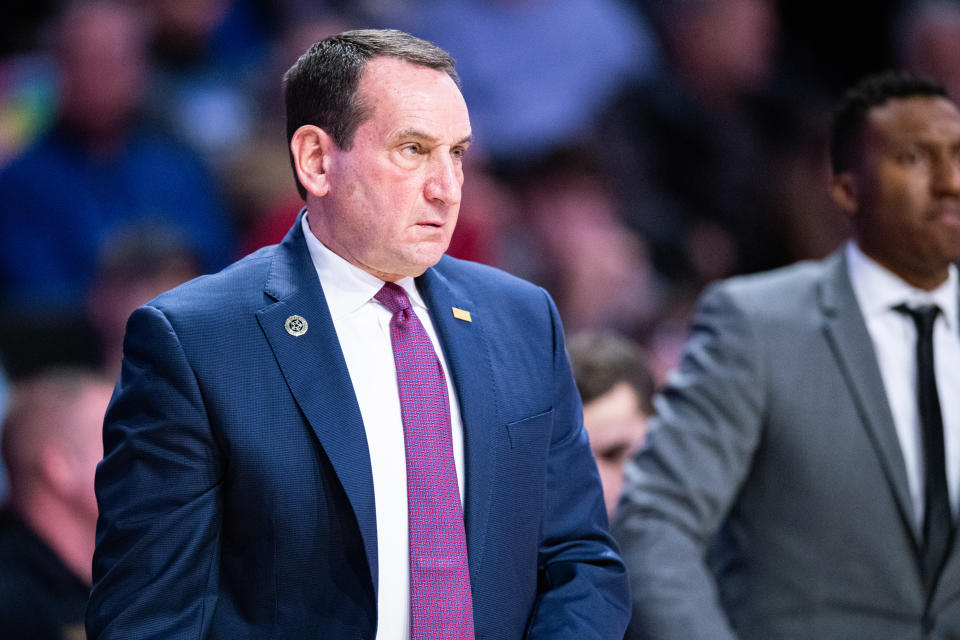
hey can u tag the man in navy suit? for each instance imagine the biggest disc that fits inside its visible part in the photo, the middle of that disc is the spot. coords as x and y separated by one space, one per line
254 478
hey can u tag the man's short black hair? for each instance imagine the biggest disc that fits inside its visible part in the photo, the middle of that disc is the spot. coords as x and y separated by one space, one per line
872 91
321 87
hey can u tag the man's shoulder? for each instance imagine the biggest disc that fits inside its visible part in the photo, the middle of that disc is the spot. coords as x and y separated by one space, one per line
481 278
237 285
797 283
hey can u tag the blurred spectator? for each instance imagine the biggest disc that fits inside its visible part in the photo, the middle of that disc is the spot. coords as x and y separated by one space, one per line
616 386
4 401
134 267
488 214
258 179
27 102
565 60
718 50
666 336
51 446
692 149
97 171
208 56
928 40
27 83
572 241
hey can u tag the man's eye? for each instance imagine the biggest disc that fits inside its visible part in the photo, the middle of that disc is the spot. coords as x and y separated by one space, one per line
458 153
615 453
412 149
908 157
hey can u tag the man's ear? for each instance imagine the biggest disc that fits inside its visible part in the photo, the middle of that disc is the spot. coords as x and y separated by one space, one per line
312 147
844 191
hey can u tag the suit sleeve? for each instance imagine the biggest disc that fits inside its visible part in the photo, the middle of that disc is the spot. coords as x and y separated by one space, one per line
159 493
681 485
583 590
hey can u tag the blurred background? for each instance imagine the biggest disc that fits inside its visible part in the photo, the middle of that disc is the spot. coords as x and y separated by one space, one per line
628 152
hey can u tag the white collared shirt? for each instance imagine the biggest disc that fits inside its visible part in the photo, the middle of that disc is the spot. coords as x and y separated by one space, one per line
363 328
894 336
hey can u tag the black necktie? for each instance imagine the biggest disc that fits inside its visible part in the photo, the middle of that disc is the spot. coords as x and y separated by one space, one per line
937 521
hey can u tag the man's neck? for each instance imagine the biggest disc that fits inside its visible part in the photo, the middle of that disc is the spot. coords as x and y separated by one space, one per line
925 279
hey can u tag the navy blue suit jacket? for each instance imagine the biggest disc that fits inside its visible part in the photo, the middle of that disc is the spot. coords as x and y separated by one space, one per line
236 495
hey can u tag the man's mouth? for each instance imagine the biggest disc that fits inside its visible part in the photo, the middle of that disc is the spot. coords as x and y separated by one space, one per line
950 214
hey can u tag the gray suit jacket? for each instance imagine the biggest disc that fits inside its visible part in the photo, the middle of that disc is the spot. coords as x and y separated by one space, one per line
771 500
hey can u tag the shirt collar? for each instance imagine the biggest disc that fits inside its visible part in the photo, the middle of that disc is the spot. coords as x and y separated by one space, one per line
878 289
347 287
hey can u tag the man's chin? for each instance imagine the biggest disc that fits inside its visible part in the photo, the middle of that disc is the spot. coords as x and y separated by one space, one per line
408 270
416 261
429 254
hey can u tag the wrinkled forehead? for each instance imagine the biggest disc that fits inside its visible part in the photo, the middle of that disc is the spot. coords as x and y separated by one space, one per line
394 89
396 77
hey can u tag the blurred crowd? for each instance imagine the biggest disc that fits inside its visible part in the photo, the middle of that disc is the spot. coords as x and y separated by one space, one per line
627 152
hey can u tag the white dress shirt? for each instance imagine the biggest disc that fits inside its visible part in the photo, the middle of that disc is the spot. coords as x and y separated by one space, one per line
894 336
363 328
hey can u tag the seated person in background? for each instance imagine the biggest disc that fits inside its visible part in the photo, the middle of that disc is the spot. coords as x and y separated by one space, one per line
51 446
616 386
134 267
100 171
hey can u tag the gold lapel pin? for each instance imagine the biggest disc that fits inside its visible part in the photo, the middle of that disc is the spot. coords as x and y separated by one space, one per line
296 325
461 314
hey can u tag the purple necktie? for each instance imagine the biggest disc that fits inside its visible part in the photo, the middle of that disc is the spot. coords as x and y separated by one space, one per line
441 606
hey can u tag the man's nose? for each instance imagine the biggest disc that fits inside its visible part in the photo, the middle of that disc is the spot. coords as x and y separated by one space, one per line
444 180
946 177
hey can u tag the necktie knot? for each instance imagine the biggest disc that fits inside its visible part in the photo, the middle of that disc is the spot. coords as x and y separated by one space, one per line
393 297
923 316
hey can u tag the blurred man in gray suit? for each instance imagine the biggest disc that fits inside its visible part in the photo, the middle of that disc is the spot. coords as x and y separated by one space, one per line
801 479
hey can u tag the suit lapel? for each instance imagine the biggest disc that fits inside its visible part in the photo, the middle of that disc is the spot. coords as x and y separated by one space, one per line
316 373
847 334
468 357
